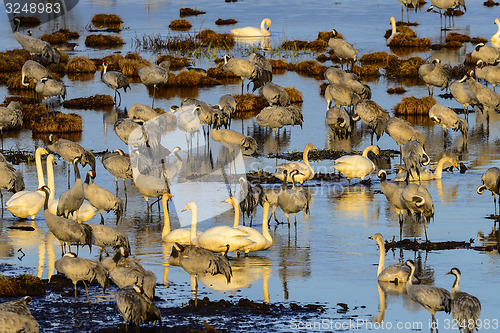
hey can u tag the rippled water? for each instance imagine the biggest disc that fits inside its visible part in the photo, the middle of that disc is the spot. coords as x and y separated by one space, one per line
328 258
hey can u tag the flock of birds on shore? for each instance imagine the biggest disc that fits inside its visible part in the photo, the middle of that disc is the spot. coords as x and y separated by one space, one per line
206 252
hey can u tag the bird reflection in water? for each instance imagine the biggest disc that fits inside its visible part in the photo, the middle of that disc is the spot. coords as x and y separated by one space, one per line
355 202
266 141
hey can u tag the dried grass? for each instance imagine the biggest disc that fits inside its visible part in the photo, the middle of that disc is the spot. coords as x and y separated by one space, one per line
491 3
191 79
402 40
29 21
402 29
225 22
212 38
397 90
309 67
278 64
81 65
13 60
249 103
130 67
101 40
106 19
294 94
397 67
175 62
219 73
21 285
366 70
14 83
58 123
183 12
91 102
414 106
180 25
379 58
322 88
54 38
324 35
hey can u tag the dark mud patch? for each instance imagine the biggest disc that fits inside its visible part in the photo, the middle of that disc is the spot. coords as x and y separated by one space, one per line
324 154
414 245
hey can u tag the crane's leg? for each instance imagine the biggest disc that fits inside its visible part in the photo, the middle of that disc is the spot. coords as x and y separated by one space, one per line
119 95
402 13
86 290
154 90
116 180
400 227
102 218
194 288
425 229
75 290
62 248
372 138
1 195
242 87
69 175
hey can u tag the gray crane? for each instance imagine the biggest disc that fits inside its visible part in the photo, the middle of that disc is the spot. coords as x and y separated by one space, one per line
486 96
125 271
342 49
414 156
448 119
118 165
114 80
141 111
465 308
101 198
491 181
243 68
488 54
446 6
339 122
373 115
36 46
188 121
408 4
464 95
264 70
71 199
418 200
124 127
104 236
270 196
488 73
196 260
351 81
276 117
47 87
341 94
292 201
430 297
68 150
233 140
335 75
65 230
393 194
154 75
402 131
10 179
11 117
434 74
274 94
136 307
15 316
33 71
249 198
227 104
82 269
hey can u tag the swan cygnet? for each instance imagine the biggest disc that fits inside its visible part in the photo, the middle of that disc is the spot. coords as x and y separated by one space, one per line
252 31
397 273
356 166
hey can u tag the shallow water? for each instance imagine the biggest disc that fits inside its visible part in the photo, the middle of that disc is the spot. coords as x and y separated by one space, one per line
328 258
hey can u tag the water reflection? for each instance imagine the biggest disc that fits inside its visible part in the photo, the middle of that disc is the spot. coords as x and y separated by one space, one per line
267 141
355 202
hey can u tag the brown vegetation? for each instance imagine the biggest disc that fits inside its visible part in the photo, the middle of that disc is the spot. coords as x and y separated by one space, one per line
175 62
414 106
191 79
225 22
60 36
89 102
324 35
397 67
278 64
106 19
183 12
366 70
22 285
376 58
294 94
397 90
309 67
491 3
219 73
101 40
294 45
180 25
249 103
13 60
14 83
322 88
402 30
29 21
402 40
212 38
81 65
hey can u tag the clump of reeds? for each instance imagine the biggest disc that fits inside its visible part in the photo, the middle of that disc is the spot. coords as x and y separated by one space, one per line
29 21
175 62
278 64
60 36
324 35
57 68
106 19
249 103
294 45
455 40
101 40
210 37
21 285
318 45
14 83
191 79
412 105
219 73
366 70
322 88
458 71
294 94
225 22
397 90
491 3
13 60
180 25
81 65
322 58
182 44
20 99
376 58
183 12
131 64
58 123
402 40
397 67
309 67
469 60
89 102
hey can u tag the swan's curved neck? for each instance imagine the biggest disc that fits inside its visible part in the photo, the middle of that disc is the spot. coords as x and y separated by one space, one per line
365 152
236 207
166 219
381 258
438 173
497 35
393 24
263 25
50 178
265 223
39 170
305 157
194 217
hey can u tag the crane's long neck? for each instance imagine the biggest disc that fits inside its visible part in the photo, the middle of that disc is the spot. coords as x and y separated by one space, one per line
381 257
194 217
39 170
46 202
456 285
50 178
265 223
236 213
410 277
166 219
78 177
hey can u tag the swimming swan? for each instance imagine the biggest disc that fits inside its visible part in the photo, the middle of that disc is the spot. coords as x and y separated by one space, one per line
252 31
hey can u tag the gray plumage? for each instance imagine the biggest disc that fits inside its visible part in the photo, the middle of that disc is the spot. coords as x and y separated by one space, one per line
464 95
118 165
101 198
339 122
488 73
135 307
82 269
188 120
65 230
227 104
11 117
204 111
270 195
104 236
402 131
342 49
234 140
249 198
264 72
274 94
292 201
414 155
124 127
341 94
36 46
418 200
488 54
408 4
448 119
334 74
114 80
141 111
276 117
242 68
486 96
465 308
33 71
71 199
434 74
393 194
15 316
154 75
372 115
47 87
491 181
430 297
68 150
10 179
351 81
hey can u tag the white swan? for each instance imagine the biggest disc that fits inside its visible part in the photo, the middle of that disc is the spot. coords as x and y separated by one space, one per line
305 170
217 239
393 33
86 210
252 31
28 203
495 39
355 166
262 241
182 236
426 174
394 273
